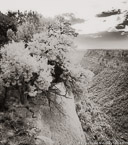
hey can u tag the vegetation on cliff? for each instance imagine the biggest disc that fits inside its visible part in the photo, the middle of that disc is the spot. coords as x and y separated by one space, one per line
32 63
108 88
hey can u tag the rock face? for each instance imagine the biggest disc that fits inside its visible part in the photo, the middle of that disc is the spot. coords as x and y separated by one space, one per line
109 90
95 123
60 125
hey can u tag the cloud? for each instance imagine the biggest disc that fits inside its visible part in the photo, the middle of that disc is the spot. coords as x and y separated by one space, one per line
112 29
124 2
109 13
73 19
124 23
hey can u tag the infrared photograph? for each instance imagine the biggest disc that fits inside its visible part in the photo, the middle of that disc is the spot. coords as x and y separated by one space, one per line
64 72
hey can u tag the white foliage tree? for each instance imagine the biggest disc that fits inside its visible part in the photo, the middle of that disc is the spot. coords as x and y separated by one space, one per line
34 69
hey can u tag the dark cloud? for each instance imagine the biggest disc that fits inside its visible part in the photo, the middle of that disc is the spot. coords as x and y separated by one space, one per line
124 23
109 13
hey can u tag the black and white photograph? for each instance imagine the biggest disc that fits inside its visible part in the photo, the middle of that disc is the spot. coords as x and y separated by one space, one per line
64 72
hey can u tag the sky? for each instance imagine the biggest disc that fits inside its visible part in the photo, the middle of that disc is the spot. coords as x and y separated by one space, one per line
85 9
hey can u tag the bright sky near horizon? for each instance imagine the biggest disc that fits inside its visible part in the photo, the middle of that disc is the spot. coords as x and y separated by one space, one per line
86 9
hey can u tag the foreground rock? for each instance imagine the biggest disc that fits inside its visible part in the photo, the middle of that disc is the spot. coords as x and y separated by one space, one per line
59 124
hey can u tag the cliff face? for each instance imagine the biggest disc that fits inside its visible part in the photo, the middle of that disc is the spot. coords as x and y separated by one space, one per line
108 89
60 126
95 124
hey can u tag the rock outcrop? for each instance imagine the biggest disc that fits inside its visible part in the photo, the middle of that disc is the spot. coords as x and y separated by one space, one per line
59 123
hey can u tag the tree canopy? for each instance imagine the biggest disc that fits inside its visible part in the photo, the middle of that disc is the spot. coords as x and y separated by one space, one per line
36 58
